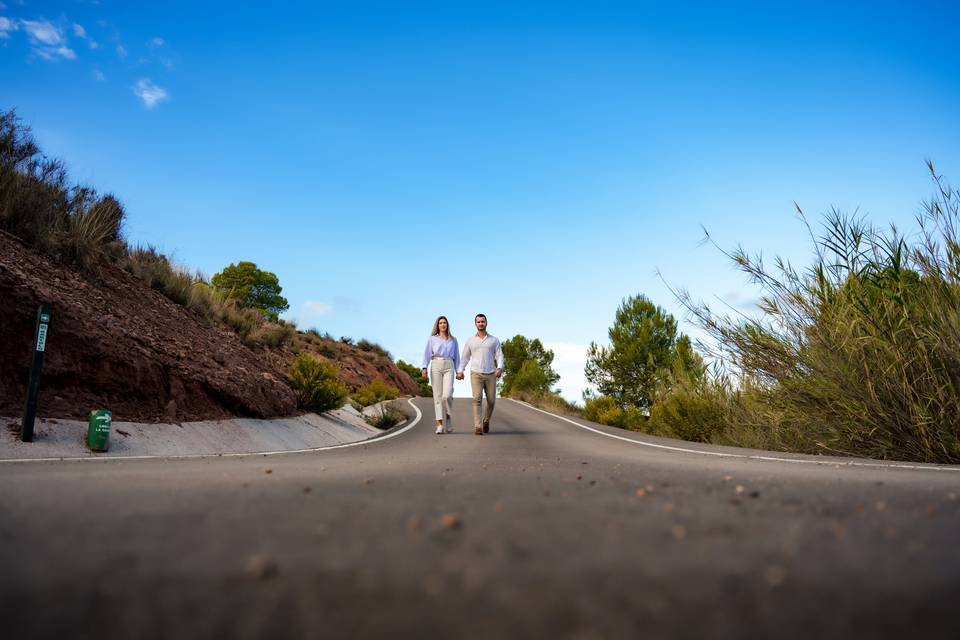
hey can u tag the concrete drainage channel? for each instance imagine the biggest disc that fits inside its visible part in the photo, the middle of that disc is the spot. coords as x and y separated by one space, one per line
56 440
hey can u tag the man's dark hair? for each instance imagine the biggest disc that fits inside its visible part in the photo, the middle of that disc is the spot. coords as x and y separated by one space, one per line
480 315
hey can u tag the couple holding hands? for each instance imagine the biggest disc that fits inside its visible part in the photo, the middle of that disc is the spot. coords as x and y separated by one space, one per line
443 361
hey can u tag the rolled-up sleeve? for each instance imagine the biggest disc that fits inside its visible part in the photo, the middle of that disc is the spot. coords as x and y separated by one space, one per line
456 355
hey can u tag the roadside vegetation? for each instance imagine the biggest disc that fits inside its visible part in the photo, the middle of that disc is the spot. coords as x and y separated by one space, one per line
856 355
82 229
859 354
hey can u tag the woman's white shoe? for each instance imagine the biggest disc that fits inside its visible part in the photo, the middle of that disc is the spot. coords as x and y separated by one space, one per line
439 429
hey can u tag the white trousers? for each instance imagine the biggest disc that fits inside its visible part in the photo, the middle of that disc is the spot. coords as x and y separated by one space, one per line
441 379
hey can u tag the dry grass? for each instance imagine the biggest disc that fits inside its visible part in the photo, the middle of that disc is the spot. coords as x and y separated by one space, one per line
857 355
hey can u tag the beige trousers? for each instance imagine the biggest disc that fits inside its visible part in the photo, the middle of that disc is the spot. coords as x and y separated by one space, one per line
481 383
441 379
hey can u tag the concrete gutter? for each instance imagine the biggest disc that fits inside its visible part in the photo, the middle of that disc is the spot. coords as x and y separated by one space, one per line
67 438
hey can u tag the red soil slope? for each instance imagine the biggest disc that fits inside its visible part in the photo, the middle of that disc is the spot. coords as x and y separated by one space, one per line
116 344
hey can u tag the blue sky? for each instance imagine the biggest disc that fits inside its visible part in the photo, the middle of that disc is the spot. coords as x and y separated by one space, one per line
534 161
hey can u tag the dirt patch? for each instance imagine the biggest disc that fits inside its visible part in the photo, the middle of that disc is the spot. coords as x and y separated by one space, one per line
115 343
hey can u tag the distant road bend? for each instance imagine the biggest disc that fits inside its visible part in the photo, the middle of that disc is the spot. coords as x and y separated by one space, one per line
541 529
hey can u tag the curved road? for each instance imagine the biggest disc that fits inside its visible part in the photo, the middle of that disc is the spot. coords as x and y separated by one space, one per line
539 530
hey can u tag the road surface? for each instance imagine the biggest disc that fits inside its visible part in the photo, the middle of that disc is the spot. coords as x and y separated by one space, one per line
541 529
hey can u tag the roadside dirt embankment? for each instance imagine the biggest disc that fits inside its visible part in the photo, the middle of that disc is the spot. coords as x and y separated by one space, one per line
115 343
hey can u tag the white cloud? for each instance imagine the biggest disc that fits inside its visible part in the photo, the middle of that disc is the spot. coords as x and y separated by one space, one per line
6 27
151 94
48 40
79 31
313 309
157 42
568 361
53 54
98 75
93 44
43 32
121 51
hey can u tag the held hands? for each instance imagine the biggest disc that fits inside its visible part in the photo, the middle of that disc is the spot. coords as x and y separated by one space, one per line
460 376
498 373
423 373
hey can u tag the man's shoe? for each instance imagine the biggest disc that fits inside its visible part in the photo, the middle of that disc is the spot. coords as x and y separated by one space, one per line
478 431
449 429
486 427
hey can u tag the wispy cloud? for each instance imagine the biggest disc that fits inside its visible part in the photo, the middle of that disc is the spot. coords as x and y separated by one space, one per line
98 75
312 309
121 51
80 32
7 26
156 42
48 40
151 94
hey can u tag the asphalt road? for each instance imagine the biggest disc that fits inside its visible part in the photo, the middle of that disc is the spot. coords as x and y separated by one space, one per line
537 530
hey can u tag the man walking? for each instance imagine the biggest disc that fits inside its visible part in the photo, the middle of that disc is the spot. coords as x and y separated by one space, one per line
485 355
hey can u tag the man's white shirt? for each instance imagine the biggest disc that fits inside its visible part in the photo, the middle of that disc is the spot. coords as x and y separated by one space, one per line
484 355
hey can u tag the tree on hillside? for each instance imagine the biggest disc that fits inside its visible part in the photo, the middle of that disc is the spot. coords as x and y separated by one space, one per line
253 288
644 348
516 352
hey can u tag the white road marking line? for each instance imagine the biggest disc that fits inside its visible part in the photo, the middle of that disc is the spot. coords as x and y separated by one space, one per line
720 454
372 440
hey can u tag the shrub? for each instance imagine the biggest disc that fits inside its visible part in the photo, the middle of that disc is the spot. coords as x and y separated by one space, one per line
605 410
38 204
271 335
374 392
317 383
547 401
859 353
424 388
373 347
694 408
386 418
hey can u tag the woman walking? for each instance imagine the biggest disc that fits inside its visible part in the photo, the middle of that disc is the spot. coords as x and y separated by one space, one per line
441 358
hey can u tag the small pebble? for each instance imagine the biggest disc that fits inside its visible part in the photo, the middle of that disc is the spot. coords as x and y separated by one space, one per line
268 471
679 532
451 521
641 492
774 575
260 566
739 488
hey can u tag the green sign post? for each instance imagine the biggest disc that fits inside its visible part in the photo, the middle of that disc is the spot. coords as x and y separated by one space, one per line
33 386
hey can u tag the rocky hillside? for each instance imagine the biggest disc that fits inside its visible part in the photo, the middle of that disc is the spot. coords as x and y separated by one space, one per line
115 343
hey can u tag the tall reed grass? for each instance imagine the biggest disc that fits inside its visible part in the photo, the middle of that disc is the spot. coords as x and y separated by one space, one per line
859 354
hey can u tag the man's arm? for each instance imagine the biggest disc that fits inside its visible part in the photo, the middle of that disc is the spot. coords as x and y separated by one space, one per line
465 358
499 358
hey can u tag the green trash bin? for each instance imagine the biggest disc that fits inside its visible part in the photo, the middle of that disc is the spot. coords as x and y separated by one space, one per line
98 430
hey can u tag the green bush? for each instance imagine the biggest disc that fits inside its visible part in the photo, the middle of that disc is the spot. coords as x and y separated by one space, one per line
386 418
374 392
694 408
605 410
424 388
317 383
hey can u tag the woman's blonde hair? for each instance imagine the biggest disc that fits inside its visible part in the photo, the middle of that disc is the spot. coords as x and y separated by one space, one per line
436 327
